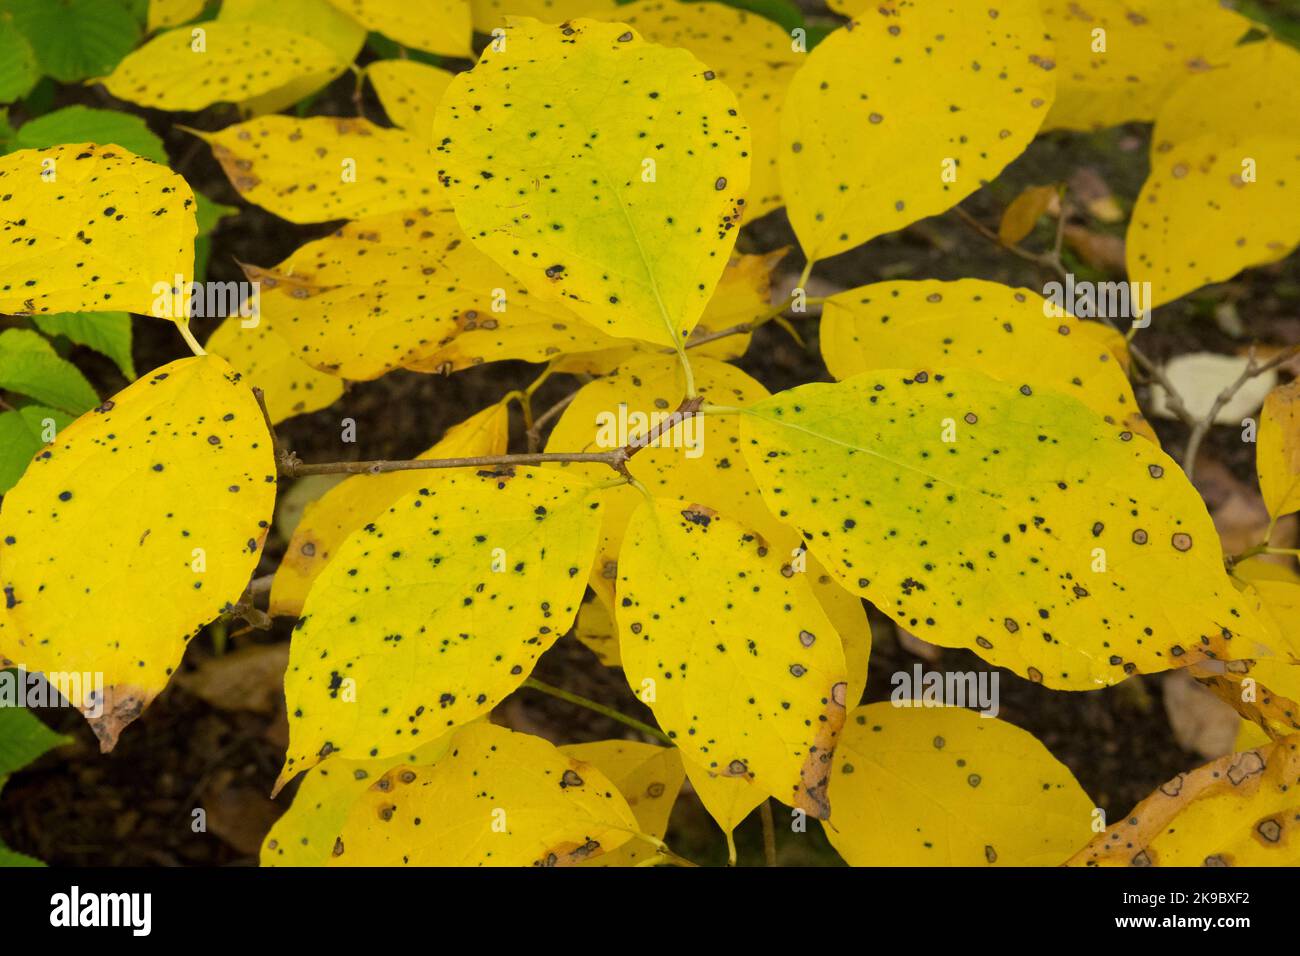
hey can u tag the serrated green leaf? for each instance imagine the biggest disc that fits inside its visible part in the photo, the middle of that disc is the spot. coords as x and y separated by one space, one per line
21 438
74 39
81 124
30 366
18 69
108 333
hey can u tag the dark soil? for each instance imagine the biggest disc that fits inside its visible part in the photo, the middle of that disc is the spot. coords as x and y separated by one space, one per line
135 806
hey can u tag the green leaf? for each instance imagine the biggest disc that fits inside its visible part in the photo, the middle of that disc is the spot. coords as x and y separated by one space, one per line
23 737
18 70
30 366
20 439
81 124
1007 519
75 39
108 333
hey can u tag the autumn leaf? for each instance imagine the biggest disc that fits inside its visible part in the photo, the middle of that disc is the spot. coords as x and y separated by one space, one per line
766 705
409 92
497 798
984 84
1239 810
291 386
91 228
466 581
1277 451
945 786
1218 198
647 163
1119 60
328 522
1022 213
82 566
439 26
978 325
913 486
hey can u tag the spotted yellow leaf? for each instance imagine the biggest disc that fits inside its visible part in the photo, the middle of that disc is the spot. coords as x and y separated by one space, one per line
766 703
317 20
309 833
409 92
944 786
749 53
492 14
856 163
1119 60
742 296
464 582
1225 156
323 167
1277 451
595 628
1001 518
496 798
327 522
91 228
648 776
729 800
170 13
139 524
221 61
980 325
408 290
291 386
602 171
438 26
1239 810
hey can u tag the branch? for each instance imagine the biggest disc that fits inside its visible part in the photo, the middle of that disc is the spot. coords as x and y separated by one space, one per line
609 712
1202 428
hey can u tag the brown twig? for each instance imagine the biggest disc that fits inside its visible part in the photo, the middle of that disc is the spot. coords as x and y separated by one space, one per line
1252 370
769 832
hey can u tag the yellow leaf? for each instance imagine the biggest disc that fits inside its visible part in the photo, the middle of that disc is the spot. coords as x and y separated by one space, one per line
1108 338
766 705
139 524
465 582
1022 213
315 19
292 387
409 92
648 776
729 800
854 161
742 296
438 26
943 786
170 13
1277 451
1220 194
698 461
1119 60
602 171
848 615
90 228
1264 691
327 522
490 14
228 62
497 798
749 53
309 833
1239 810
322 168
1008 520
594 627
408 290
979 325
